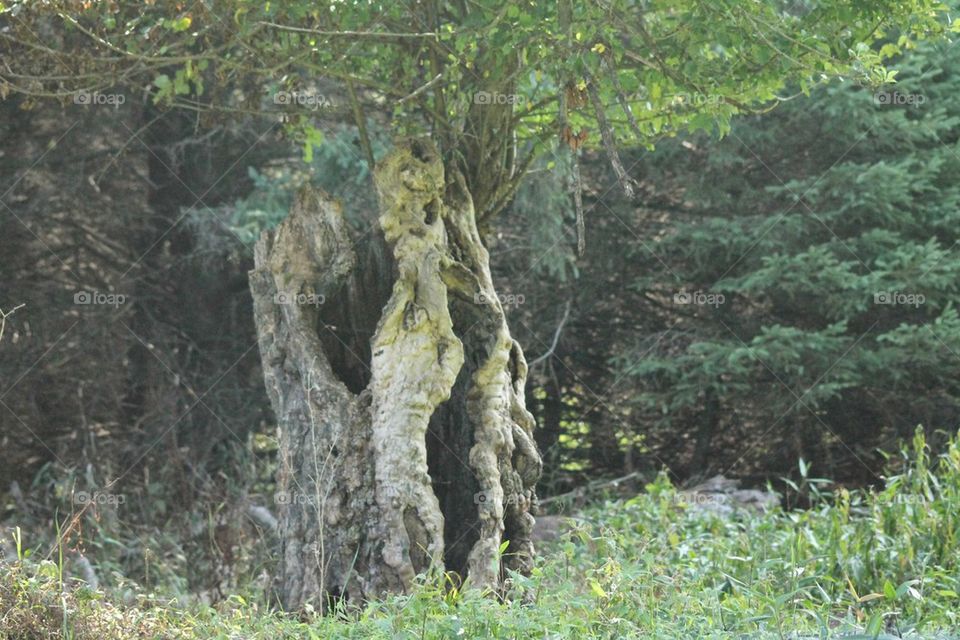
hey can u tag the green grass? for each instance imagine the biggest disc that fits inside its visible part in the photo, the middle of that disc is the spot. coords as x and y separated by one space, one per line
856 565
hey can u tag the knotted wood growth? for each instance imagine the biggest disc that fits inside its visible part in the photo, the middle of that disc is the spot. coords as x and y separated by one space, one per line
426 458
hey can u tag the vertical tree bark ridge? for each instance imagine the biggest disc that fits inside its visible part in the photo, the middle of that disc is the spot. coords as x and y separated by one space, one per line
362 516
416 358
504 457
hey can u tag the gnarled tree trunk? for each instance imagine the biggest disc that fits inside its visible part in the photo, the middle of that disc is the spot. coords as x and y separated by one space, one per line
405 444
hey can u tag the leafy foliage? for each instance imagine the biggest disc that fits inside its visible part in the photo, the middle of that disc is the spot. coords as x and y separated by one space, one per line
495 84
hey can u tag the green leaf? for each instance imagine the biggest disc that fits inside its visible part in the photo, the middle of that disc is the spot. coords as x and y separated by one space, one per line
313 138
907 587
181 24
889 591
597 589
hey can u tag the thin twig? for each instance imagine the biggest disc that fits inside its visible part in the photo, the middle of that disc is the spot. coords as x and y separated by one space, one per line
361 120
593 486
578 204
556 338
349 34
624 102
606 135
6 314
423 88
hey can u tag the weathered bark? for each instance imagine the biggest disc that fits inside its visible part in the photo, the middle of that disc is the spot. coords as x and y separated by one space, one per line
424 458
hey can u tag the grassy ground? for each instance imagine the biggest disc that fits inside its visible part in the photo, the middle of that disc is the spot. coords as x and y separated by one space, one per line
857 565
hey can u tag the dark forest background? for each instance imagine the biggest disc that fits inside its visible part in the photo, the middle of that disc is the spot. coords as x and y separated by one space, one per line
786 292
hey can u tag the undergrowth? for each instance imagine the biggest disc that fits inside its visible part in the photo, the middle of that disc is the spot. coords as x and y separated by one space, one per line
857 564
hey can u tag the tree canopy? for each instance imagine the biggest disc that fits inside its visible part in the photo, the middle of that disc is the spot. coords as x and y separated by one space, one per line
494 83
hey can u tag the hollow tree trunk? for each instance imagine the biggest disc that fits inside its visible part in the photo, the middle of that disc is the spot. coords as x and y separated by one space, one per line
412 450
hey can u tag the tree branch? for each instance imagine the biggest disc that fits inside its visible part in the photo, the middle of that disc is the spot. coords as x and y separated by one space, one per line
420 90
606 134
6 314
361 121
350 34
556 338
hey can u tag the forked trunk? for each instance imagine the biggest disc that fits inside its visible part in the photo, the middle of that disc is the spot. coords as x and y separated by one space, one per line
405 444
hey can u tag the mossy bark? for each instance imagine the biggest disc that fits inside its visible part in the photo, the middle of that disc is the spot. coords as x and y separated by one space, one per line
425 460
